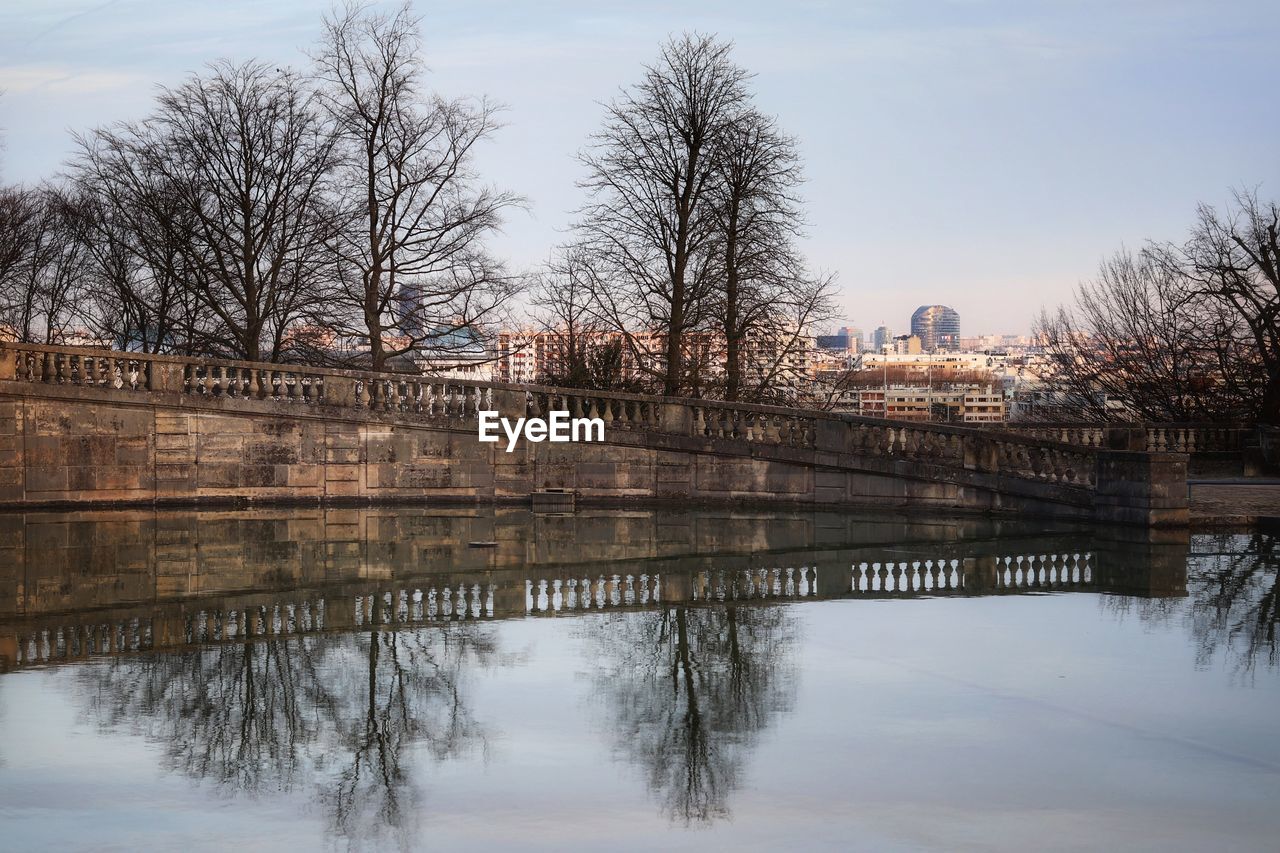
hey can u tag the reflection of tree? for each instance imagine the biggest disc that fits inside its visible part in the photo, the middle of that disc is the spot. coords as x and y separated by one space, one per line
1233 599
337 711
687 692
411 695
1235 586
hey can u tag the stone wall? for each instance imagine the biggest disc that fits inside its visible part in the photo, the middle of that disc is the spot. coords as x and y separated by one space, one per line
69 451
84 427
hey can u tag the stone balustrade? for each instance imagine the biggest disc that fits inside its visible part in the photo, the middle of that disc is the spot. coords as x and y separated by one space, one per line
973 460
1037 458
1189 438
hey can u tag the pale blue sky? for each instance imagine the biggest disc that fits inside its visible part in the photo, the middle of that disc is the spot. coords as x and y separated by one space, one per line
981 154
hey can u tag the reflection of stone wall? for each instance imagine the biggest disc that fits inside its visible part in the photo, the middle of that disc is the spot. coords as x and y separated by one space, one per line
62 562
81 583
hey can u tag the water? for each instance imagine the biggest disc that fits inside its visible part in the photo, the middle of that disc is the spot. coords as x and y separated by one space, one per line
365 679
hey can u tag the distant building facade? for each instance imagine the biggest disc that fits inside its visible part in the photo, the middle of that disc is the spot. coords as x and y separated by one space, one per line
848 339
937 327
908 344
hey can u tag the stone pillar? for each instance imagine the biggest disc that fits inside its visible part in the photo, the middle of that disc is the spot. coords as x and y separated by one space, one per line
1125 437
677 587
979 454
340 391
978 574
675 418
8 651
513 473
1151 563
1260 461
510 404
830 434
1141 488
7 362
167 376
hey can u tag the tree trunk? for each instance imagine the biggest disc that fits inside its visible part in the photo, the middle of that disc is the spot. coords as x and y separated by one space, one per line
733 368
373 322
1270 413
671 383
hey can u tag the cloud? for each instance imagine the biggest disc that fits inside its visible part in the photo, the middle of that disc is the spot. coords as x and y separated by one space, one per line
65 80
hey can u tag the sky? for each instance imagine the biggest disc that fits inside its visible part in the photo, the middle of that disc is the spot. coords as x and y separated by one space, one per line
983 155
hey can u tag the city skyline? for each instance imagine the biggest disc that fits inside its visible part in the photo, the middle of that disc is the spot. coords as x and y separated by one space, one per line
957 143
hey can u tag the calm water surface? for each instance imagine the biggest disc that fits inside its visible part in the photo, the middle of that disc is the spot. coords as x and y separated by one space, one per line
365 679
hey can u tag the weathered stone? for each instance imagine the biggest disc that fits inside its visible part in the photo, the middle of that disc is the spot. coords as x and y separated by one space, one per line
65 441
47 479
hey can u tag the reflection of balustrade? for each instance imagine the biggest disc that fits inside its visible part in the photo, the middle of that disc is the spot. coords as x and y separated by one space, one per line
402 607
762 583
79 641
415 606
551 596
1018 573
420 604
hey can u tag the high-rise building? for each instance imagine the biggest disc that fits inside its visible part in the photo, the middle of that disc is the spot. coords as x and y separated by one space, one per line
937 326
854 334
880 337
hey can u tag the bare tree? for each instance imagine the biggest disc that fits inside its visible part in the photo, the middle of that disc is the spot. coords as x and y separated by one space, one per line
136 235
1144 341
562 295
580 350
412 271
1233 257
240 157
767 301
19 215
650 220
40 263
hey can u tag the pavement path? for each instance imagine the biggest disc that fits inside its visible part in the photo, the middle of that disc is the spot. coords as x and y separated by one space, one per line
1235 498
